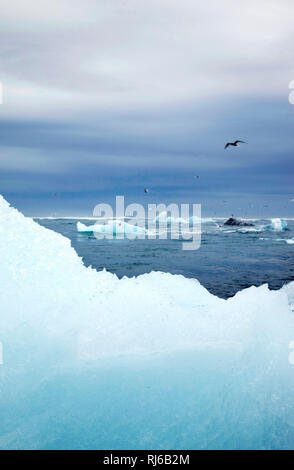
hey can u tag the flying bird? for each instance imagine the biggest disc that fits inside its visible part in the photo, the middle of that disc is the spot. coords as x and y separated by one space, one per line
234 144
196 177
146 190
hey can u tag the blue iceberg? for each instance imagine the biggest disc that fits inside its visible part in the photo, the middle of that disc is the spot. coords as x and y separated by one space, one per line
91 361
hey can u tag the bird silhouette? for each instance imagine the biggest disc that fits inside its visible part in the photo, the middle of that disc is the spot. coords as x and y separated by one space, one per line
234 144
146 190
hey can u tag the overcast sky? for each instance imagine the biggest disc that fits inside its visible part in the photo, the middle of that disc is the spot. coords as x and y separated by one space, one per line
106 97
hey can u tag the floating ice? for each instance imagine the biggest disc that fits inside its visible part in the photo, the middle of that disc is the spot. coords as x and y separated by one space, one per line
195 219
115 227
278 225
91 361
45 284
163 217
250 230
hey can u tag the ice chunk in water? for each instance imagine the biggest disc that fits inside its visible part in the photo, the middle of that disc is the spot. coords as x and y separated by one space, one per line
91 361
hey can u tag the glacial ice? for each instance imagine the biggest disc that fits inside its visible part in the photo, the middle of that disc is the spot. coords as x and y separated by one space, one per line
115 227
278 225
163 217
156 361
194 219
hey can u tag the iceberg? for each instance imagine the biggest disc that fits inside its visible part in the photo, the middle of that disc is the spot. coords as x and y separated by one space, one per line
290 241
278 225
202 220
163 217
115 227
91 361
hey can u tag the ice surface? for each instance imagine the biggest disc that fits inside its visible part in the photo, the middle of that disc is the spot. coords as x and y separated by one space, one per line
163 217
290 241
195 219
278 225
91 361
115 227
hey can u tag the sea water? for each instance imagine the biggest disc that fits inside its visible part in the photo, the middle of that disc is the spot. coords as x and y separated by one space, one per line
229 259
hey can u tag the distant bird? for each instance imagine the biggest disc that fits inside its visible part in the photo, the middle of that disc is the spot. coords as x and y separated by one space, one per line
234 144
196 177
146 190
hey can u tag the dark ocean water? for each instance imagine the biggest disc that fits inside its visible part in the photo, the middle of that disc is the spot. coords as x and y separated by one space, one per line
228 260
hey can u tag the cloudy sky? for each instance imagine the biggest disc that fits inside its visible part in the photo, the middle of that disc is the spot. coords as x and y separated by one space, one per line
106 97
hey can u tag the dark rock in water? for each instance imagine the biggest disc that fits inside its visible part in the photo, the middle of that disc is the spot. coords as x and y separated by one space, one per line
232 221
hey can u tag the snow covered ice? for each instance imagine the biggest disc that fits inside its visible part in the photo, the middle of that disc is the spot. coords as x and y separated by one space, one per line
91 361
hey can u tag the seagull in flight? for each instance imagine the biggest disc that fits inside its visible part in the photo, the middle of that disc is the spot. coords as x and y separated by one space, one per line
234 144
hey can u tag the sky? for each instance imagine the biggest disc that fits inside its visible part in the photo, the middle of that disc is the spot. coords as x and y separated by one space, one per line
107 97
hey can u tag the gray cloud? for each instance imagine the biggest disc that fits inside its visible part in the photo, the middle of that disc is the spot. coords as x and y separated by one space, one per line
109 95
80 56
